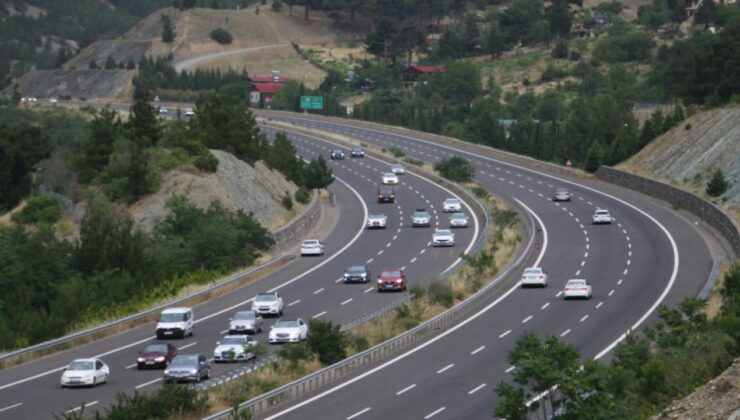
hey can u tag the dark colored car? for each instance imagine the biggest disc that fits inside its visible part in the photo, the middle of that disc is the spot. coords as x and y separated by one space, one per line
357 152
188 368
386 195
337 154
156 355
392 279
357 274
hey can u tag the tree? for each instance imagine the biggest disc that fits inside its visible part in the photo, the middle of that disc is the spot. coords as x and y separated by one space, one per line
494 41
560 18
718 184
93 65
327 341
110 63
470 37
189 4
39 209
561 49
456 169
106 128
276 6
21 148
222 36
168 30
594 156
318 174
512 405
143 124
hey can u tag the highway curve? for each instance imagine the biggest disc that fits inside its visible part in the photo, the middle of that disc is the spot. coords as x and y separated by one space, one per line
309 287
649 256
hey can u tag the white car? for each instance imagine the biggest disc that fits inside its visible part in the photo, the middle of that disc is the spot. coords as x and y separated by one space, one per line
312 247
451 205
420 218
234 348
268 304
189 112
534 276
163 110
288 330
458 220
175 322
376 221
53 100
561 194
398 169
390 179
602 216
443 237
85 372
577 288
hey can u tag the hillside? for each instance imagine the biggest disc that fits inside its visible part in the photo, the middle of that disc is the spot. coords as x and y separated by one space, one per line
262 43
689 152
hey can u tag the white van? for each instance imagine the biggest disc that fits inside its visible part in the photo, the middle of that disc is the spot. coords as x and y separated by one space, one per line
175 322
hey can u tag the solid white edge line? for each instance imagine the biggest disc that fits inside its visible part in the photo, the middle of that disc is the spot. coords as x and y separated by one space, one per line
230 308
426 344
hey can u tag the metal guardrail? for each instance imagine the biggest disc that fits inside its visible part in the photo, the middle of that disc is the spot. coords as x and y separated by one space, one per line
329 374
709 285
138 316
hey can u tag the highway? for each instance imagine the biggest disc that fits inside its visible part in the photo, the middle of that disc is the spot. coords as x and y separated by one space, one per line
310 287
649 256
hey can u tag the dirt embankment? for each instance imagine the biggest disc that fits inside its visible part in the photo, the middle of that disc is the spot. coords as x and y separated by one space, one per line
77 83
688 153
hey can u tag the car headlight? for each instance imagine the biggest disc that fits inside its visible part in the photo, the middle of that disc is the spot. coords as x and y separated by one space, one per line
140 359
193 371
166 371
159 359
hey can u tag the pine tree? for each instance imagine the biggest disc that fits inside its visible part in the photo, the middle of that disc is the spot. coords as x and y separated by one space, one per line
594 156
718 184
143 124
168 30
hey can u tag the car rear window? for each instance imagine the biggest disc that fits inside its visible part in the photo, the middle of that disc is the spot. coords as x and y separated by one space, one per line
391 274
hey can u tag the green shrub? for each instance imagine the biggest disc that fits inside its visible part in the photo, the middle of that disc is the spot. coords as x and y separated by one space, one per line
40 209
397 152
412 161
626 47
287 202
327 341
168 401
481 192
222 36
718 184
206 163
296 353
277 6
302 195
456 169
441 293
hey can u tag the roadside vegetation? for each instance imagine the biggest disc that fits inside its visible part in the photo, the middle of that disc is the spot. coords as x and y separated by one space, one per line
57 278
667 361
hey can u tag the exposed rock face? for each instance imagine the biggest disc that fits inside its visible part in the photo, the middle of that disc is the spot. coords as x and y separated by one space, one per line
703 142
718 399
236 184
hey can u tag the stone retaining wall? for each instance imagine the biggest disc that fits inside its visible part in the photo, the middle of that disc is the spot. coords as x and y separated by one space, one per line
298 227
702 208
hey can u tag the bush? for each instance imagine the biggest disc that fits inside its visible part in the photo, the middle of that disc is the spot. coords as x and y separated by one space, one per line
327 340
168 401
222 36
718 184
574 56
277 5
303 195
397 152
561 49
456 169
206 163
40 209
296 353
287 202
441 293
631 46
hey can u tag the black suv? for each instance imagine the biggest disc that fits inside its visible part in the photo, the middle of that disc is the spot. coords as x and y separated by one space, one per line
386 195
337 154
357 152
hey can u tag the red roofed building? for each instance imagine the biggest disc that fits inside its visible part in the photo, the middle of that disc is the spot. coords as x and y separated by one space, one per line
413 72
263 92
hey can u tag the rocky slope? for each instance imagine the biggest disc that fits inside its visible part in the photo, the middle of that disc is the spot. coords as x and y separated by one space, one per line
689 152
718 399
237 185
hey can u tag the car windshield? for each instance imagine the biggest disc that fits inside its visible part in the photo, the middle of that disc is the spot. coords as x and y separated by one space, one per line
602 212
185 360
376 216
397 166
357 149
420 214
459 216
284 323
268 297
452 201
234 340
356 269
389 175
386 191
561 191
244 316
310 243
156 348
172 317
444 233
532 271
394 273
81 365
337 152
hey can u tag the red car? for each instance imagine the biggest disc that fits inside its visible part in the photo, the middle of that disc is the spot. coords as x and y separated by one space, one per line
392 279
156 355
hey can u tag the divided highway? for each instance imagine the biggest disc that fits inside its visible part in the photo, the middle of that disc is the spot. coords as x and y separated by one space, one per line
647 257
311 288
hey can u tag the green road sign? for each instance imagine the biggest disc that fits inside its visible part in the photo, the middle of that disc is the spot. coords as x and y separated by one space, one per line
312 102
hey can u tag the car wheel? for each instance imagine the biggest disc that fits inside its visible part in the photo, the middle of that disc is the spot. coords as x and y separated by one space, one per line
95 382
197 377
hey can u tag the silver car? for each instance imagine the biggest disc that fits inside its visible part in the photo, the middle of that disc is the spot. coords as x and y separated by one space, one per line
234 348
602 216
451 205
188 368
561 194
420 218
458 220
577 288
443 237
246 322
376 221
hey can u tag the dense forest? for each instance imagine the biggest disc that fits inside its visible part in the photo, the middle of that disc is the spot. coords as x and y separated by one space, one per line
55 158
